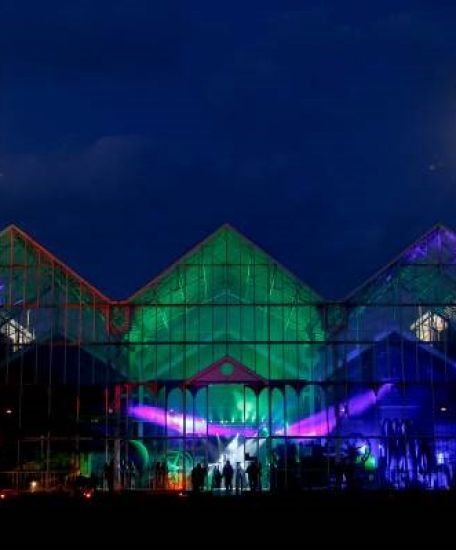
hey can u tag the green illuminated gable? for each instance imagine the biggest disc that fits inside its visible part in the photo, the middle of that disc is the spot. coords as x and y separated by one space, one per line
225 298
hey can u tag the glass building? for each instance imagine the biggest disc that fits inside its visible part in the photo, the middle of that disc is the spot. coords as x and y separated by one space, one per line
226 355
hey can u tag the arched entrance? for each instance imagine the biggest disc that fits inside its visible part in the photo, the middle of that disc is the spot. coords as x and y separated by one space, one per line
226 424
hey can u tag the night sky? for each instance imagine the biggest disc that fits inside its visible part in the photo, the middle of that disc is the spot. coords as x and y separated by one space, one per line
324 131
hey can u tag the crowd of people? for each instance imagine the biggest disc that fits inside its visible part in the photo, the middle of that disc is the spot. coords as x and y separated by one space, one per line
288 470
228 473
160 476
228 478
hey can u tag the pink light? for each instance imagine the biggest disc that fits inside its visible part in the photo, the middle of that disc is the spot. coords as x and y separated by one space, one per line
194 425
231 431
316 425
324 422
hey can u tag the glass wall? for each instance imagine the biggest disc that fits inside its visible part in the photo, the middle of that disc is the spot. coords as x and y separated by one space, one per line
226 356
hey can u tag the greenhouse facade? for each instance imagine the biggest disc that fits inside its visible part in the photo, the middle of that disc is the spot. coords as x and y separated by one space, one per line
227 356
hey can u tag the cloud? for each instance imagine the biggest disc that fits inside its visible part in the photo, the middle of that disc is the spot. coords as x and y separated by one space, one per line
102 166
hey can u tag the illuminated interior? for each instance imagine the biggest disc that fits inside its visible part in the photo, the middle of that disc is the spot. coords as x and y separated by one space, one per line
226 355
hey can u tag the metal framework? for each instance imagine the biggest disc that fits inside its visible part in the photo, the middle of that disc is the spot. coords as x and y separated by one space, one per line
226 355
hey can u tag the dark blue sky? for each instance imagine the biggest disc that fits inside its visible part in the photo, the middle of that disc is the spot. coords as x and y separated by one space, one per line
129 130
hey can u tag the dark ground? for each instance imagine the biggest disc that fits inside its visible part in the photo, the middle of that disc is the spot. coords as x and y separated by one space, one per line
306 520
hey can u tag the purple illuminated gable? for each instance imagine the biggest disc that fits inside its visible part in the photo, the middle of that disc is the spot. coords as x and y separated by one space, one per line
439 244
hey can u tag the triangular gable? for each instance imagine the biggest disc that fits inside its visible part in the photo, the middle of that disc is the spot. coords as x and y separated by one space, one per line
399 339
402 356
26 251
225 270
226 371
225 247
70 364
437 247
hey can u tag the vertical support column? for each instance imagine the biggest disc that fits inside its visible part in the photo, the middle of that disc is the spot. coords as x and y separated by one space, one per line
127 434
207 426
106 411
140 435
184 426
19 429
117 403
77 464
194 395
243 435
270 440
284 394
324 390
140 424
49 388
165 458
257 415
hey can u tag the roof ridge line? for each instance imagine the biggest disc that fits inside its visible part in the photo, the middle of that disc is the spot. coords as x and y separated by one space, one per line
41 248
395 259
225 226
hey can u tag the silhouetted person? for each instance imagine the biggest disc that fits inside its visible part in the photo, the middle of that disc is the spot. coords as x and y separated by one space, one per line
164 473
227 473
203 476
273 476
339 471
109 474
239 478
123 474
197 478
350 466
216 478
105 475
252 472
132 475
157 476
